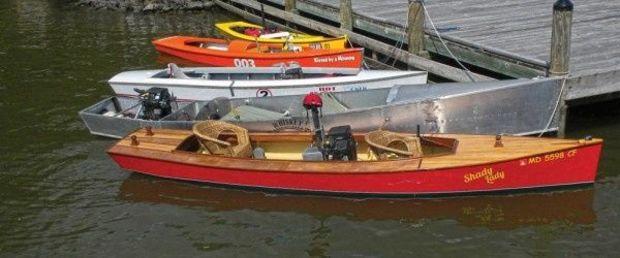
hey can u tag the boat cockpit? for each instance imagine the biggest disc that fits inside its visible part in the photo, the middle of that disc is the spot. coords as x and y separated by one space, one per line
214 137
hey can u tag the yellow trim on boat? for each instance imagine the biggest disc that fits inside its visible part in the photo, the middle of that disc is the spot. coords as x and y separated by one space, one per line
301 39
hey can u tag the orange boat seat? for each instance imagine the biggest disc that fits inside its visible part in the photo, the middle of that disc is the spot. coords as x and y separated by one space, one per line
240 45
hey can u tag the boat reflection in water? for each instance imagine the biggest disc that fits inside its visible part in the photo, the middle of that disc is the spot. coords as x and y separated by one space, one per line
496 212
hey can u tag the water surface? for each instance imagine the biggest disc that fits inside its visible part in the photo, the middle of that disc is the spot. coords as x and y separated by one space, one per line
62 196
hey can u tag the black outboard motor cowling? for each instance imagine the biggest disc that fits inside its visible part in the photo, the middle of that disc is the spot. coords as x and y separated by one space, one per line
340 144
156 103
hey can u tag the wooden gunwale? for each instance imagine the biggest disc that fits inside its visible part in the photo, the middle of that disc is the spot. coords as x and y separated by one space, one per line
169 154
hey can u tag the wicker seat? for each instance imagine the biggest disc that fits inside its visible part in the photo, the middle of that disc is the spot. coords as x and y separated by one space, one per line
209 131
387 145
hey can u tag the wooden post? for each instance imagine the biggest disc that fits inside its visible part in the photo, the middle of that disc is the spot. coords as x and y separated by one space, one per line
415 28
563 116
560 53
346 15
563 108
560 38
290 6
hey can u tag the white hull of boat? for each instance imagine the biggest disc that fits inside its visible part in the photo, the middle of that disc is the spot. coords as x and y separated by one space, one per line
124 83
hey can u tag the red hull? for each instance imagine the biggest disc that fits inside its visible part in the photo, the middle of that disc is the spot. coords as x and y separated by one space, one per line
346 58
577 166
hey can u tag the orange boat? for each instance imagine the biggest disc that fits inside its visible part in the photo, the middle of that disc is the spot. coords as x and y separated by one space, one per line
240 53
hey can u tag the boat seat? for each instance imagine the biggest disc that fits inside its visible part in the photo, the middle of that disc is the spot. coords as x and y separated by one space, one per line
218 48
388 145
209 132
240 46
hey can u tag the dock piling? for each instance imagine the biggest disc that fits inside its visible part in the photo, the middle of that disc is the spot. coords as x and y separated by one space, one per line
290 6
560 38
346 15
415 28
560 53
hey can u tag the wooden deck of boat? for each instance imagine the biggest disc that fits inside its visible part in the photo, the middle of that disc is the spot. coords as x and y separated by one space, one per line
165 140
472 149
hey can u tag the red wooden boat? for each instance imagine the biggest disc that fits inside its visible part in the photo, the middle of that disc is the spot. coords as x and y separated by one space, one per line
240 53
377 163
448 164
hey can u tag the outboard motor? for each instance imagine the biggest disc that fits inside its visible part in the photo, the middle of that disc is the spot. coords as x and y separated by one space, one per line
156 103
339 143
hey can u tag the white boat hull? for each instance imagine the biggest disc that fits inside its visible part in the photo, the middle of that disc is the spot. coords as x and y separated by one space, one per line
124 84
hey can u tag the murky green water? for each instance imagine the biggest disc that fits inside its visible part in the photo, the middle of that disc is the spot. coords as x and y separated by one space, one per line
62 196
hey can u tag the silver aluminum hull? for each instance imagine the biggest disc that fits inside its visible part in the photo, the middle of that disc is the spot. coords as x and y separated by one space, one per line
509 107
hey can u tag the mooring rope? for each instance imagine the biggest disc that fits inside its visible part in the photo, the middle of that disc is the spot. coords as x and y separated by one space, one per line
397 45
428 16
555 109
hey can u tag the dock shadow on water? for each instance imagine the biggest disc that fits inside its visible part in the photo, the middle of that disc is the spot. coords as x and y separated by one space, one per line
62 196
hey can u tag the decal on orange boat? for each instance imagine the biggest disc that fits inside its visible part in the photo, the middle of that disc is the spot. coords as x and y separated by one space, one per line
330 59
244 62
487 174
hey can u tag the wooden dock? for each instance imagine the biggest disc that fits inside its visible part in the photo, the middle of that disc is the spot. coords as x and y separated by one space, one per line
495 40
511 38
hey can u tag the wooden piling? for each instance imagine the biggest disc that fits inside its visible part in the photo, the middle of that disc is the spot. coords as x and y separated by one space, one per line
290 6
415 28
560 38
560 53
346 15
563 116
